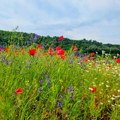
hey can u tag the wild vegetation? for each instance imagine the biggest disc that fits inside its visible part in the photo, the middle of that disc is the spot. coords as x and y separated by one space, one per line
84 46
47 82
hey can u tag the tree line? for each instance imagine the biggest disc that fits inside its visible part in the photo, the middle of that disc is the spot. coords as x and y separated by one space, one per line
83 45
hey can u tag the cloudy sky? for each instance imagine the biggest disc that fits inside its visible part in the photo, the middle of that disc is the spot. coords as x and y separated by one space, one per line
75 19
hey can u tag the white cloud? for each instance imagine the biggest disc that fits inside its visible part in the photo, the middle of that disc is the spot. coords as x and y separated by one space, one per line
77 19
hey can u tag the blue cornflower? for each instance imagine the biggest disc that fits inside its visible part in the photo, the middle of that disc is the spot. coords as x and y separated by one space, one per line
71 95
40 89
71 89
48 86
41 81
60 95
46 76
59 104
48 82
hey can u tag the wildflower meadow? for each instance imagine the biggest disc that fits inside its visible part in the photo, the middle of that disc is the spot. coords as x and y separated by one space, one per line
54 84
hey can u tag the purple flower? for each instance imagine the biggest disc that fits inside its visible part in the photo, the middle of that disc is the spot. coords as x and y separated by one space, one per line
59 104
2 47
31 40
107 61
71 95
82 55
80 63
48 86
70 62
5 61
71 89
60 95
36 35
46 76
48 82
41 81
40 89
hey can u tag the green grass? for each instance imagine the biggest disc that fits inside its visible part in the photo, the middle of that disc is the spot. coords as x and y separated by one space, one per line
54 89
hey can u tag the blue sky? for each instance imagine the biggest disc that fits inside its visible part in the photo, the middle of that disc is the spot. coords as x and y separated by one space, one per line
75 19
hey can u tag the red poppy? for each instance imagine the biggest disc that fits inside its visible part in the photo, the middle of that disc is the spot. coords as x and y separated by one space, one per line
92 58
50 51
93 89
39 46
92 54
18 91
118 60
6 49
32 52
61 38
86 59
74 48
60 52
63 57
0 49
58 48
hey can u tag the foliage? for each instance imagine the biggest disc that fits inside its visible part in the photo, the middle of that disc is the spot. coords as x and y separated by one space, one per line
44 86
85 46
